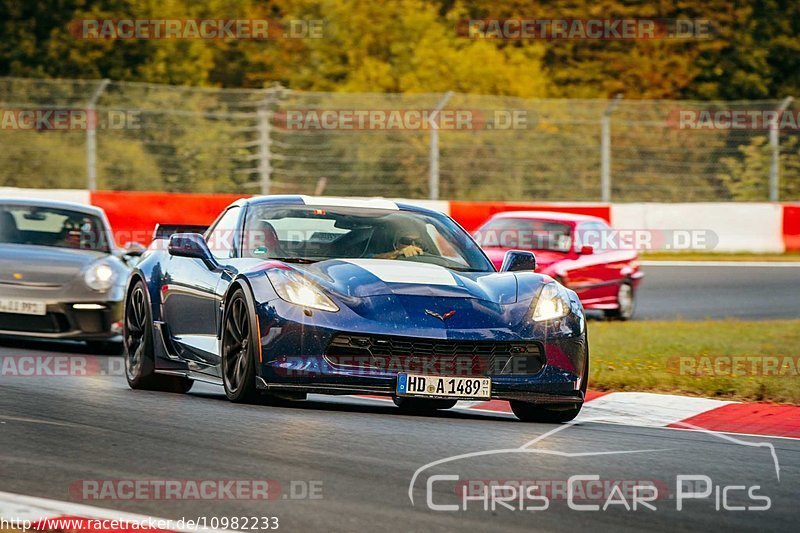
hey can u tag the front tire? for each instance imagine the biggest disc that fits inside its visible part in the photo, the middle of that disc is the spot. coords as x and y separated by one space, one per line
422 405
138 342
239 342
626 299
528 412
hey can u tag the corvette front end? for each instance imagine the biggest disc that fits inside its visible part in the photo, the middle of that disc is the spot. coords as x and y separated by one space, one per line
532 350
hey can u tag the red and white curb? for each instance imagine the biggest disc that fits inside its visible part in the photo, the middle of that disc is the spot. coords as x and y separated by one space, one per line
644 409
53 515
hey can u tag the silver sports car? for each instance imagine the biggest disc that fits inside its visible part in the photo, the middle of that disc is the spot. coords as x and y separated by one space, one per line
61 274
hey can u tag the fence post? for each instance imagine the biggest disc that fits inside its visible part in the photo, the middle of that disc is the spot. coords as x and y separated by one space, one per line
433 170
91 136
605 150
775 145
265 138
264 150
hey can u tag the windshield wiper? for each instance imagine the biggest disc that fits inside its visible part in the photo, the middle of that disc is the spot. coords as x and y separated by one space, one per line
466 269
301 260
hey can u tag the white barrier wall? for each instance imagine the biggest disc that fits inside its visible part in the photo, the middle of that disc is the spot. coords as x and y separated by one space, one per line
63 195
739 227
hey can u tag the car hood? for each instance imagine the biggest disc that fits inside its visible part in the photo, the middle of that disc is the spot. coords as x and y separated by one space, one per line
362 278
544 258
42 265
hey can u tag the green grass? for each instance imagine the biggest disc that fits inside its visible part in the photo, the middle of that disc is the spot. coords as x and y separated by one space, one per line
717 256
643 356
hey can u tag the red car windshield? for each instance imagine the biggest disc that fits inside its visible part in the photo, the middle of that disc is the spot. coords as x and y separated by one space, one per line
525 234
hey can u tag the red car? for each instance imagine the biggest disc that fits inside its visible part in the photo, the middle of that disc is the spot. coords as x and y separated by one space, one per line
582 252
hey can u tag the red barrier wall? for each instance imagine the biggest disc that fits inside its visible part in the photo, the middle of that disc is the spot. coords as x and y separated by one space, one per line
472 214
133 215
791 227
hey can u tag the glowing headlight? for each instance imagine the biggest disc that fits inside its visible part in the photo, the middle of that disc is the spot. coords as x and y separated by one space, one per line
553 303
99 276
297 290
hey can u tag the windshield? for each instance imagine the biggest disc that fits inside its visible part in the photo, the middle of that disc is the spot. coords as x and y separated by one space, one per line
525 234
44 226
302 234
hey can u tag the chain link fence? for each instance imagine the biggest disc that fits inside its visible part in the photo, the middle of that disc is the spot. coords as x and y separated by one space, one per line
454 146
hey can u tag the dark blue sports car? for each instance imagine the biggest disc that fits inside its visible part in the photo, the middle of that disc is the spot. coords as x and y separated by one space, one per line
286 295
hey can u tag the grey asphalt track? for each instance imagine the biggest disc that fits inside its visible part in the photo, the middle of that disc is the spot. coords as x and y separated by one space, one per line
57 431
696 292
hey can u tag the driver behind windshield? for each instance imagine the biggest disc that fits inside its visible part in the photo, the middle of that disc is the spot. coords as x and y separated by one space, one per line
407 243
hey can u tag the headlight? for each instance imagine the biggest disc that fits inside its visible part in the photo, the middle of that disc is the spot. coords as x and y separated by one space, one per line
553 303
99 276
295 289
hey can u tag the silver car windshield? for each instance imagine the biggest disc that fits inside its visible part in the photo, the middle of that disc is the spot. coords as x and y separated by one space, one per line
60 228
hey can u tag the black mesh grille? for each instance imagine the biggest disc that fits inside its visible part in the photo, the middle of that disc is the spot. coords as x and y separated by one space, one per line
49 323
435 356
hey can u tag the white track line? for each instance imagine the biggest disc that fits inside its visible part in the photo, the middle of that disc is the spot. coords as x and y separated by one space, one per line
20 507
646 409
744 264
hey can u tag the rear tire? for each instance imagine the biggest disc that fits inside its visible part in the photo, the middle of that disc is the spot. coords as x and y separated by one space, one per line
422 405
138 342
626 299
239 342
529 412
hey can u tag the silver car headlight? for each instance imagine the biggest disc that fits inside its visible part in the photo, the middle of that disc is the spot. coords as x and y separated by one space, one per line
553 303
295 289
99 276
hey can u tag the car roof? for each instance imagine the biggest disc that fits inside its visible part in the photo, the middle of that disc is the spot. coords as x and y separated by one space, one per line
53 204
551 216
332 201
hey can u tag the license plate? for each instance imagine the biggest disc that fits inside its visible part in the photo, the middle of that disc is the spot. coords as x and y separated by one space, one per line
23 307
444 386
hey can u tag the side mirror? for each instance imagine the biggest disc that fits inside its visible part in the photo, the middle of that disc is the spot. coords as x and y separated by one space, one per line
191 245
586 250
133 249
516 260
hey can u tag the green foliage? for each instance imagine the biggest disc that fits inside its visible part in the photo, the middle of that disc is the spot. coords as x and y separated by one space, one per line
48 159
413 46
208 141
57 159
747 175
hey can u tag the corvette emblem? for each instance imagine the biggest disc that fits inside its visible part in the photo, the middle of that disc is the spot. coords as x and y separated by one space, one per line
440 317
